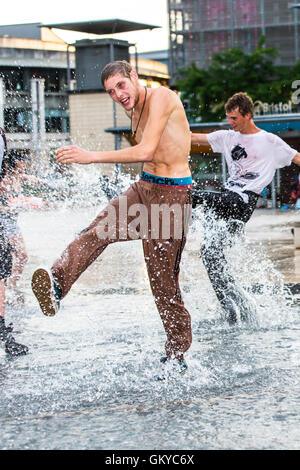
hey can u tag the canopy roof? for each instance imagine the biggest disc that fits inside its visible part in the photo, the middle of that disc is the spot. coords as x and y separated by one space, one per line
102 26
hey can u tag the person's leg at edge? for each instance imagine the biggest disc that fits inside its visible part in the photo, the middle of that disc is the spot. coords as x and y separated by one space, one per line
2 299
20 258
11 346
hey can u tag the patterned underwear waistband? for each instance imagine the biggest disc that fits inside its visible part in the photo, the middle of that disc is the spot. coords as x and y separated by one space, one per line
179 182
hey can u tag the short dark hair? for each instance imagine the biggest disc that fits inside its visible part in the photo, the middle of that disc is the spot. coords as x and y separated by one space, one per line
242 101
118 66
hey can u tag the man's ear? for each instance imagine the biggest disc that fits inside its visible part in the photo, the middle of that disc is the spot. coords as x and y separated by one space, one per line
133 75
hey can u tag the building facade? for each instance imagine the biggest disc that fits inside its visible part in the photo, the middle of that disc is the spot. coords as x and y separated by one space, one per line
199 28
33 88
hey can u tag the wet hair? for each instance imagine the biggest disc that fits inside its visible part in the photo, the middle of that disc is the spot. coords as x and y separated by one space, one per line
118 66
242 101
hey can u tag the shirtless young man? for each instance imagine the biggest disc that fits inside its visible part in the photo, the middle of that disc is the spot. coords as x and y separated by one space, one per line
161 129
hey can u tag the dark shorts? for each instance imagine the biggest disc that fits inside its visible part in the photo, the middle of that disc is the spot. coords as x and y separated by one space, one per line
5 256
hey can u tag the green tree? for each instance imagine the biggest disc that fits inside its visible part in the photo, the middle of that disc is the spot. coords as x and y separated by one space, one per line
206 91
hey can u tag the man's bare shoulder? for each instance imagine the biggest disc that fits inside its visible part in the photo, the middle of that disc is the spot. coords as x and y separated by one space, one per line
164 96
163 91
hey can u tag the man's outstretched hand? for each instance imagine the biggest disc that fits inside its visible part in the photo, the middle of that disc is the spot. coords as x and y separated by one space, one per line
73 154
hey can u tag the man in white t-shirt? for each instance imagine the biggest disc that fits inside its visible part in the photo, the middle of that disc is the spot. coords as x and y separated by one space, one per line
252 156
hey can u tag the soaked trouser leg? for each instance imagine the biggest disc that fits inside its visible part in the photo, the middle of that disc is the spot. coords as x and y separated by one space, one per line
225 216
161 255
223 283
108 227
162 259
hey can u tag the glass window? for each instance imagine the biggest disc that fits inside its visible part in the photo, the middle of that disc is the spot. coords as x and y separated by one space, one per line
17 120
13 79
57 123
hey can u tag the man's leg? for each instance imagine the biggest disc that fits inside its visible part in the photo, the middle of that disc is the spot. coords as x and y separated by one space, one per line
225 215
163 256
11 346
110 226
221 280
51 286
2 299
20 258
231 297
162 260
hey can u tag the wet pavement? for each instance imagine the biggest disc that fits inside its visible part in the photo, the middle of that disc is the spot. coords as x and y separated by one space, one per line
273 230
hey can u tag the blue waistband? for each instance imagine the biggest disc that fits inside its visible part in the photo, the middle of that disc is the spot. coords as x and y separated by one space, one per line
166 181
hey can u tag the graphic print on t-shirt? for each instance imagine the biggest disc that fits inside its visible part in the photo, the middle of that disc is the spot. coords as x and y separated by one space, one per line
238 154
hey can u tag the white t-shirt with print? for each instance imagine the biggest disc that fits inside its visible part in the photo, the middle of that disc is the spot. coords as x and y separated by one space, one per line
252 159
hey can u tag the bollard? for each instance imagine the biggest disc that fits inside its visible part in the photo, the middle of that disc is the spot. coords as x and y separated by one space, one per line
297 235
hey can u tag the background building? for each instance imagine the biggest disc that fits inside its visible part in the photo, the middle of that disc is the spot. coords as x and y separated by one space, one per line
199 28
33 88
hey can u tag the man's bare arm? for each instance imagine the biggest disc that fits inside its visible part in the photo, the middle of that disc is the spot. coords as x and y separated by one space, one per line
198 138
296 158
160 108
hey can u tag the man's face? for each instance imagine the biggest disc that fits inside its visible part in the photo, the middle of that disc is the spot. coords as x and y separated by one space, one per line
123 90
237 121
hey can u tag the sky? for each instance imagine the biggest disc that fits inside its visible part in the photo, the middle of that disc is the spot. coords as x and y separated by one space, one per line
63 11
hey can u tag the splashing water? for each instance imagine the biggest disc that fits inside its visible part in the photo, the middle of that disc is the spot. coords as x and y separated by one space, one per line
262 284
88 380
